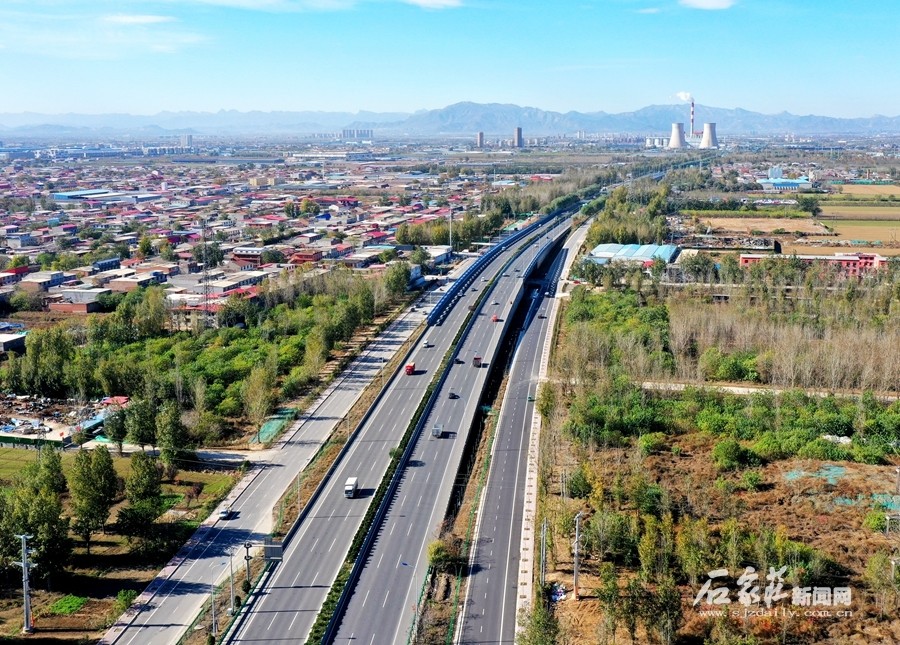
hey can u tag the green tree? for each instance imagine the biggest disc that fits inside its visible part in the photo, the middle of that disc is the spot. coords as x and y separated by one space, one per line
631 605
610 600
396 278
692 548
214 255
115 429
171 435
36 510
309 207
50 473
140 423
419 256
150 314
258 394
809 205
272 256
144 484
145 246
667 612
538 626
699 267
93 485
878 576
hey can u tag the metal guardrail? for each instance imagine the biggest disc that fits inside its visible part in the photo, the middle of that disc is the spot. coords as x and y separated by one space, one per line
465 279
390 492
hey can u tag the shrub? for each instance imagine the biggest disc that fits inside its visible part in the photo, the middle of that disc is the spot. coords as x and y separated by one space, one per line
751 480
875 521
728 454
579 486
824 450
723 486
651 442
123 601
229 407
869 454
442 556
768 447
647 499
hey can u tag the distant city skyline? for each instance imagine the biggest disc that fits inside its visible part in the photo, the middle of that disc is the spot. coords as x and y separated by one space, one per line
826 58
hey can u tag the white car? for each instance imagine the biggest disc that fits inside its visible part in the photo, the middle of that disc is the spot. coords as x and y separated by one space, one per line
225 513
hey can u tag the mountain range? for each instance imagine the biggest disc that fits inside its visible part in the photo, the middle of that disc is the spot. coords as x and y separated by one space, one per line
459 119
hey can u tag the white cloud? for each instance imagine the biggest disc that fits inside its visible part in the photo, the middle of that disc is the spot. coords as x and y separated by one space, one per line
649 10
123 19
90 36
708 4
684 96
435 4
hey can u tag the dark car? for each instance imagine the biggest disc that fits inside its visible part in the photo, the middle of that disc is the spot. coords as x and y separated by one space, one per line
453 395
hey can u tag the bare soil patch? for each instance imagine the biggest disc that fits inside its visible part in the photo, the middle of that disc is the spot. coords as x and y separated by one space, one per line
744 225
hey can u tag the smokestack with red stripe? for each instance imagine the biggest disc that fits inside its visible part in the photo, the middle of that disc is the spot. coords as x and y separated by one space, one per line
692 118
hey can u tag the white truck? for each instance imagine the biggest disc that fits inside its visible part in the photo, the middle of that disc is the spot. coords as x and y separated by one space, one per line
350 487
437 430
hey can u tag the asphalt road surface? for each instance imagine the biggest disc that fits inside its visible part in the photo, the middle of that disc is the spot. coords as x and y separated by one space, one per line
383 606
492 588
291 598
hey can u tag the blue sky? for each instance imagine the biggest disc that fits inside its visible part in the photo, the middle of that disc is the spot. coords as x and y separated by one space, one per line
827 57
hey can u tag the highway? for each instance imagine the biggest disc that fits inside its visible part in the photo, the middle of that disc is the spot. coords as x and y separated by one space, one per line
383 605
494 584
176 596
289 600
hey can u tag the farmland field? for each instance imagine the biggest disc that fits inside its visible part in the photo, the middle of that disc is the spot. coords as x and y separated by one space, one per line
869 189
843 211
868 230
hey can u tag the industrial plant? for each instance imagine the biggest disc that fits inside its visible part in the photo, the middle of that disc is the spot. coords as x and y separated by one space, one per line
705 139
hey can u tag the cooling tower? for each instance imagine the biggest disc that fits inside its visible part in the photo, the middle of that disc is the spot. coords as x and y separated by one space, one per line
709 139
677 138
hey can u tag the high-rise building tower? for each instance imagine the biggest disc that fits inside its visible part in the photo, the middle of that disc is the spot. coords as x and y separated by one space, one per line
518 141
479 140
187 141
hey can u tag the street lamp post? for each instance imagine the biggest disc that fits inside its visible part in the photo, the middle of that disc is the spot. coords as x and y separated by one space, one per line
212 608
247 558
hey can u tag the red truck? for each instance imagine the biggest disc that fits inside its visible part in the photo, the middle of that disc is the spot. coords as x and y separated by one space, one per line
410 368
494 318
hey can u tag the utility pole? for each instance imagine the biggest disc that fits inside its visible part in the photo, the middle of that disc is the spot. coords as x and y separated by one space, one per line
28 625
212 608
450 217
231 577
544 552
206 286
577 541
